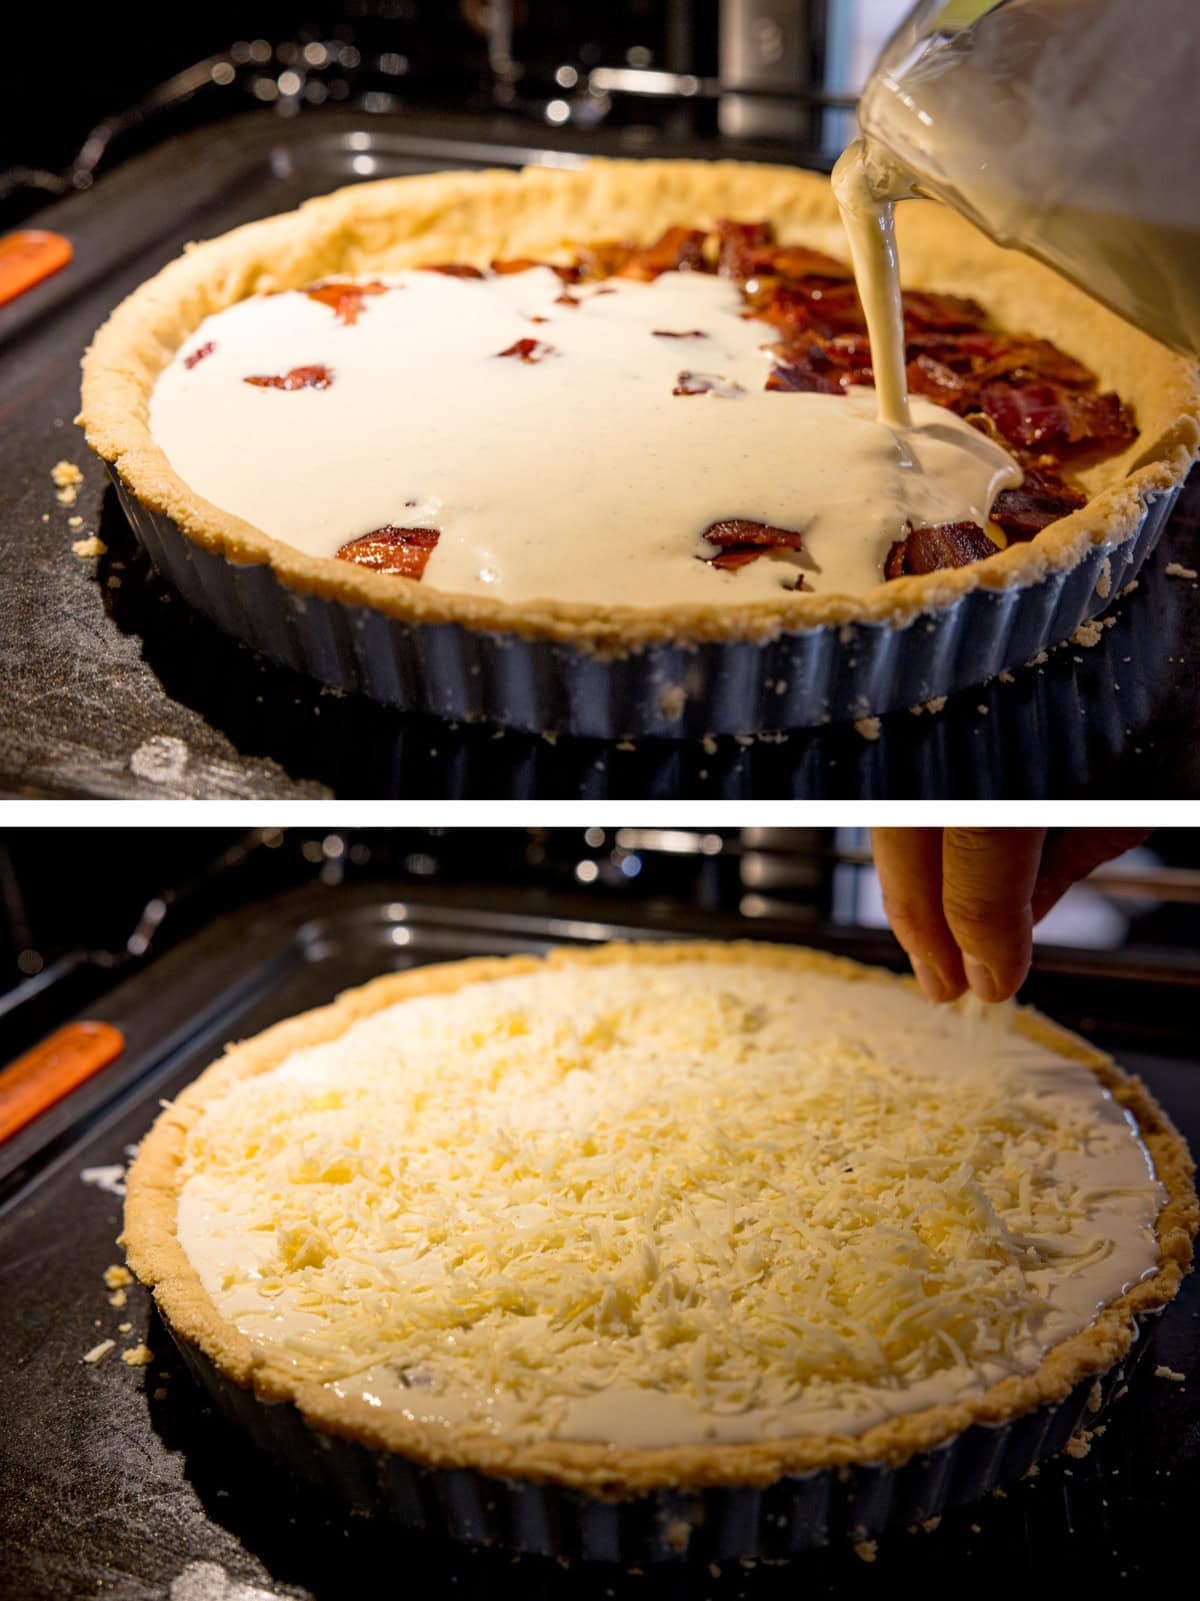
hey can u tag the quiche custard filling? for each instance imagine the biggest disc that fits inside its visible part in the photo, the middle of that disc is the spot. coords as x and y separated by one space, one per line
573 443
654 1205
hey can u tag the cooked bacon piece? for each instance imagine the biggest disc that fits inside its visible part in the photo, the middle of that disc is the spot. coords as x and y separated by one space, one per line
566 299
1049 415
1023 357
199 354
568 275
706 383
982 357
403 551
602 260
316 377
797 262
831 308
738 556
836 309
738 244
686 333
1041 499
922 309
748 250
821 366
938 545
528 350
932 378
345 300
678 250
742 541
457 269
985 425
961 352
809 368
742 531
854 352
782 306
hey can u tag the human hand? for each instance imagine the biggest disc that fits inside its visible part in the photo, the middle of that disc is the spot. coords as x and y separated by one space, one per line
963 901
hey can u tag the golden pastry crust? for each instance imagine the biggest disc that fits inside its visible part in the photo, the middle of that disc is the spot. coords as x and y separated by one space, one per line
156 1256
542 212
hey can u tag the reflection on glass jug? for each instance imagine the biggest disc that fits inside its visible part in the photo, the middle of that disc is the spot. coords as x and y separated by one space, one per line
1069 129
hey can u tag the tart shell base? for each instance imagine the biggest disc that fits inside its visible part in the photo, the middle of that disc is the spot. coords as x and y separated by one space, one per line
797 1513
798 679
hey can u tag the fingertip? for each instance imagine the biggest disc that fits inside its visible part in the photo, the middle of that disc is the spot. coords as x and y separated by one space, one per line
988 984
935 985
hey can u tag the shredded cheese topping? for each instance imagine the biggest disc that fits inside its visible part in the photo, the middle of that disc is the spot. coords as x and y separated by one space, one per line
746 1188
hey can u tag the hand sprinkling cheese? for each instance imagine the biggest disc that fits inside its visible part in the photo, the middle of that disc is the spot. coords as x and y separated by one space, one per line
963 902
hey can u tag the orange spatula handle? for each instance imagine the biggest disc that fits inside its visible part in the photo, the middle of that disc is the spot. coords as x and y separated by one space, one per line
52 1069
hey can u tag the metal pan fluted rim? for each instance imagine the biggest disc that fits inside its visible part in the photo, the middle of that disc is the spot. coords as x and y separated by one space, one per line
794 1514
802 678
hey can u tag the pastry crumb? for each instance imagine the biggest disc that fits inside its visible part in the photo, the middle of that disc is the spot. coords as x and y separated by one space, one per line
1164 1372
1088 634
549 736
66 478
1032 1473
116 1276
626 744
975 1529
137 1356
671 701
113 582
743 739
1104 579
867 1550
1079 1445
97 1351
677 1534
868 728
1176 569
708 745
930 1524
161 1393
1005 676
982 710
75 522
1095 1398
124 1328
1039 660
1128 590
1001 1495
117 1299
714 1570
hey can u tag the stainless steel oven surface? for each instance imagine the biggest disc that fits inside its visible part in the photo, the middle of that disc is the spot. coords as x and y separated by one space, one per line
120 1480
111 686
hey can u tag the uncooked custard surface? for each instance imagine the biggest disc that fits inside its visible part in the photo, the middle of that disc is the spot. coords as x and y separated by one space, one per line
571 472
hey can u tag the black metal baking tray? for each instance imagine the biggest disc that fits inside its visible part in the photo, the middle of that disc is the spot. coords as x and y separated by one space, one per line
118 1481
111 687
